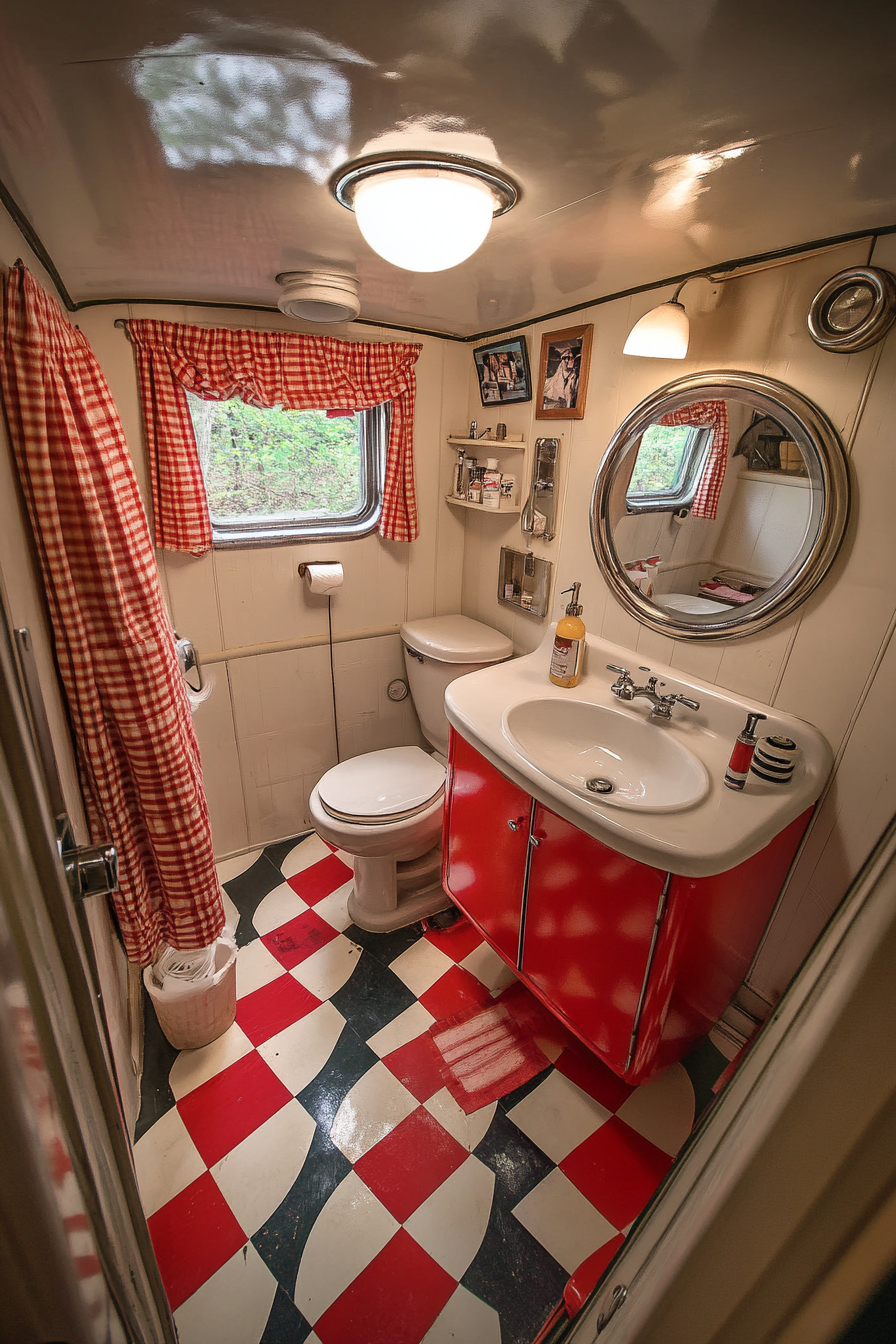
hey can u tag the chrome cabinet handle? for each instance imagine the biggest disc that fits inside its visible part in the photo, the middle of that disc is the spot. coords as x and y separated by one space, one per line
514 825
534 840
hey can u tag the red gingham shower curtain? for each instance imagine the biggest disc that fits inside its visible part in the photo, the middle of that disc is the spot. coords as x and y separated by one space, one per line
265 368
137 754
715 415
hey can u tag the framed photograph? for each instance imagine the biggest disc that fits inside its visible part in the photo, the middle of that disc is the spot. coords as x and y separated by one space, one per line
563 373
503 371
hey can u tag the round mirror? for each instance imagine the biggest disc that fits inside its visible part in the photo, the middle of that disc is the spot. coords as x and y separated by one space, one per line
719 505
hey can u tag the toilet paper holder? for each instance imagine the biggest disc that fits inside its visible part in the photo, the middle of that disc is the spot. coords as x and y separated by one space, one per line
306 565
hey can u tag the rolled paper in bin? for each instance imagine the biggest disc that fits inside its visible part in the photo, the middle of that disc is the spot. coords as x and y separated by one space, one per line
193 1013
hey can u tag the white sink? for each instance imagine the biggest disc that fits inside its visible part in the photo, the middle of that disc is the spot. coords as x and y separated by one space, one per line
628 762
669 806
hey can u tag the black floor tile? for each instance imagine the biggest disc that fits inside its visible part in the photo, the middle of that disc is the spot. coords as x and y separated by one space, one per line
514 1274
704 1066
156 1097
350 1060
276 853
247 893
281 1241
373 996
386 946
286 1324
519 1165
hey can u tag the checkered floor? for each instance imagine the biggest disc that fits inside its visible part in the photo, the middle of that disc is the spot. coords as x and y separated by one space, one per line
309 1176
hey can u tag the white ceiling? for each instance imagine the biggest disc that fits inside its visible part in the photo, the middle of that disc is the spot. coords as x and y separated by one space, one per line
167 152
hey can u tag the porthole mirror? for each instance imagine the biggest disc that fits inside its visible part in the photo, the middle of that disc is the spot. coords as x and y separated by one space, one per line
719 505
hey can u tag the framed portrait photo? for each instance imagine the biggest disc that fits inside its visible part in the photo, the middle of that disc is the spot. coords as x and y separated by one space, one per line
503 372
563 373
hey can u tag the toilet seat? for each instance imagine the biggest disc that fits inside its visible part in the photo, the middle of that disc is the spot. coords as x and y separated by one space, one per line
382 787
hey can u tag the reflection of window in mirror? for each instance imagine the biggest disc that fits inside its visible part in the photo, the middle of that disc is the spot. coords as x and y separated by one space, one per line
667 467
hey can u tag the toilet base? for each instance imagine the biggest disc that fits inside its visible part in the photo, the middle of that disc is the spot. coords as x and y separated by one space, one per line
390 895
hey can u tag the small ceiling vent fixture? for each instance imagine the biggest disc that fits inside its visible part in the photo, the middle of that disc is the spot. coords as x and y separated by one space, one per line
424 211
319 296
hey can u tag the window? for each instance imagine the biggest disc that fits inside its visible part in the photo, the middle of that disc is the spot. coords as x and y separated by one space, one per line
668 467
277 475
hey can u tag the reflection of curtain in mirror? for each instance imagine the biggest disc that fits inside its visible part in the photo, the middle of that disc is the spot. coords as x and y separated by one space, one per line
715 415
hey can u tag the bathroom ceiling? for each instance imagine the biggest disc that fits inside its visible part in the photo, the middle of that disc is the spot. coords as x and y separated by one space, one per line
162 151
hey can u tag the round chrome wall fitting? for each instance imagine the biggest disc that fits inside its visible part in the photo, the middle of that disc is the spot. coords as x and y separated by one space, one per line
855 309
397 689
319 296
346 180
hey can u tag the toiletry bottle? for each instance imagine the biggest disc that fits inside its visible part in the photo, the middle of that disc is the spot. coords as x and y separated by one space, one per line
569 644
473 427
459 486
474 493
491 484
742 755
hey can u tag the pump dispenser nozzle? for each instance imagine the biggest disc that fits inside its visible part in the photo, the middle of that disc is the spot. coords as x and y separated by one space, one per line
573 608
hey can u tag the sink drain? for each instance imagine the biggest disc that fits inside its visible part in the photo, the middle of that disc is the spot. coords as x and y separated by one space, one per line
598 785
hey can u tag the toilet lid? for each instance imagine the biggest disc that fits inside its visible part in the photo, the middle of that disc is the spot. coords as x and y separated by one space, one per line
382 786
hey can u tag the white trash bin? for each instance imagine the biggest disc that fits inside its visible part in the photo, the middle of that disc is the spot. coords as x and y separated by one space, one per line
194 993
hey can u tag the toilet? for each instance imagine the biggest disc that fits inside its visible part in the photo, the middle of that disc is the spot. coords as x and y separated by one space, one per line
385 807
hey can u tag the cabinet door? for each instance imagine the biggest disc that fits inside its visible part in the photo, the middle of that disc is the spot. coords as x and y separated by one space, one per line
485 846
590 917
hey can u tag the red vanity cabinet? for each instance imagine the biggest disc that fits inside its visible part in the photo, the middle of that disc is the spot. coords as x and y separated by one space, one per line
638 962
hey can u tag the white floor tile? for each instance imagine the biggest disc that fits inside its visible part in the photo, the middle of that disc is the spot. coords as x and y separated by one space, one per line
232 1307
558 1116
327 969
166 1161
489 968
299 1052
308 851
278 907
469 1130
255 967
421 966
406 1027
334 908
450 1224
228 869
231 914
463 1319
371 1110
256 1176
662 1110
562 1219
193 1067
351 1229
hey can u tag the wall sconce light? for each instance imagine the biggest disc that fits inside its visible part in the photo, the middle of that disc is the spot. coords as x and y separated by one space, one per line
424 212
663 333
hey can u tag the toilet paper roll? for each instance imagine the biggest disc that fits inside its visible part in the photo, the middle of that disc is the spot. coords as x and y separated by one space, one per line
324 578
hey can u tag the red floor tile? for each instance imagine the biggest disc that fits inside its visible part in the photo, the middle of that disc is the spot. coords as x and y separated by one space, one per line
316 882
412 1161
393 1301
193 1235
274 1007
617 1170
584 1280
455 990
458 941
228 1108
292 943
594 1077
419 1066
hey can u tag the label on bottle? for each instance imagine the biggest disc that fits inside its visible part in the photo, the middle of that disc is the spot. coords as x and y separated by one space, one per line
566 657
739 765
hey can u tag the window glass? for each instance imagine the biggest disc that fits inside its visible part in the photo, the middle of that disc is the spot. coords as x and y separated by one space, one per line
275 474
667 468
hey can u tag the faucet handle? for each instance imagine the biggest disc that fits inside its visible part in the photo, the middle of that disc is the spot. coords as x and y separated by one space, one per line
624 688
623 671
683 700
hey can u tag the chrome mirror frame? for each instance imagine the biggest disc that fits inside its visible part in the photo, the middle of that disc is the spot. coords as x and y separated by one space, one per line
828 472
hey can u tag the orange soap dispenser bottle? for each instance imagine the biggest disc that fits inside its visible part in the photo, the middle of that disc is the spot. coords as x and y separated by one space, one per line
569 643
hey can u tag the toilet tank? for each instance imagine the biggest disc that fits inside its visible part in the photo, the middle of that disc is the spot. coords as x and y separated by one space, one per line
438 650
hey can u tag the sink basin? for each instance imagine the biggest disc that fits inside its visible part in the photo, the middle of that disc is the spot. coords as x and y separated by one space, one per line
629 762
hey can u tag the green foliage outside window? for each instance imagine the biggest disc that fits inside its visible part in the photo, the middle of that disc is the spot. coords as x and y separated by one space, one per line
260 463
661 456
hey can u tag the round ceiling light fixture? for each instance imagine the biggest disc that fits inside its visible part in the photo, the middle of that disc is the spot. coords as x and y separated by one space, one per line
319 296
424 212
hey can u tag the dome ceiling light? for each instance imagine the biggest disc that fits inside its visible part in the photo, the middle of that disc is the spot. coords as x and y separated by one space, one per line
319 296
421 211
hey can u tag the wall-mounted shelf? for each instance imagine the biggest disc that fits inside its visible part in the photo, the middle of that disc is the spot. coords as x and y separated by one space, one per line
524 582
482 508
500 445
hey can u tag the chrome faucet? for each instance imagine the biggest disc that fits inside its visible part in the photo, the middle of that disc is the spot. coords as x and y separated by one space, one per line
661 705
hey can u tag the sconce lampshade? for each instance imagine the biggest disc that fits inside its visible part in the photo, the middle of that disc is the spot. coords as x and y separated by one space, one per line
422 212
662 333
